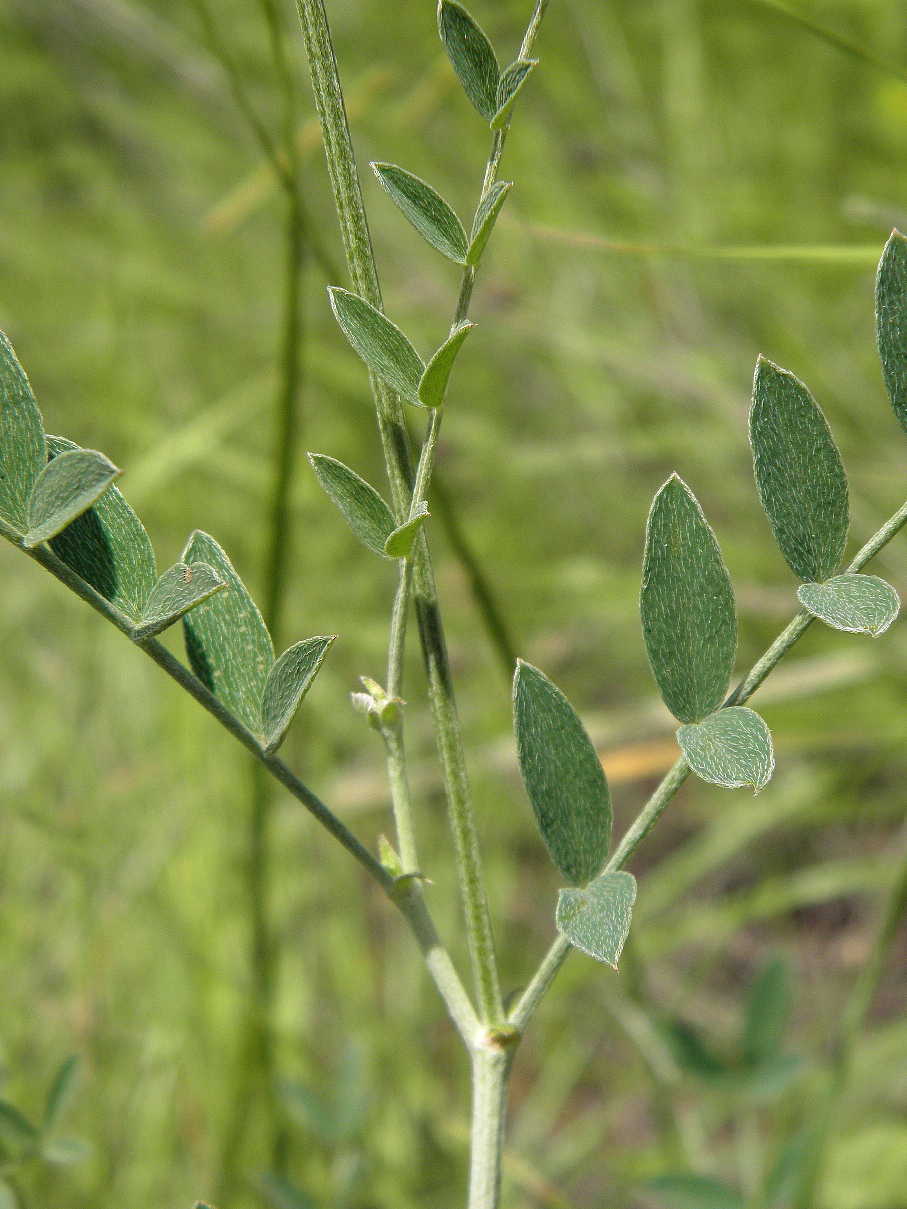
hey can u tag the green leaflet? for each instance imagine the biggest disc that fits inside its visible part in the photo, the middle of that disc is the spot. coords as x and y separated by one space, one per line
60 1092
799 473
563 776
471 55
178 590
485 218
733 748
227 642
767 1014
362 507
22 453
66 487
64 1152
692 1053
433 385
108 547
687 1191
509 87
687 605
596 919
401 541
783 1180
860 604
891 322
426 209
16 1131
288 682
380 344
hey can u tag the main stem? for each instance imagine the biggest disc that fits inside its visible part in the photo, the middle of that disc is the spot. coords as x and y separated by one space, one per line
653 809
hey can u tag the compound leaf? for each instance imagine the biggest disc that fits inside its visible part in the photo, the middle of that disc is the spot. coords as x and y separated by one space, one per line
688 1191
178 590
563 776
426 209
860 604
227 641
891 322
687 605
471 55
288 682
401 541
108 547
66 487
799 473
380 343
362 507
60 1092
733 748
767 1014
433 385
509 86
485 218
596 918
22 453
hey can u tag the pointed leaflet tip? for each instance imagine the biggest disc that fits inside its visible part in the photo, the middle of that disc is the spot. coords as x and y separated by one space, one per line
596 919
686 604
380 343
563 775
361 506
288 682
471 55
891 322
799 473
178 590
433 385
426 209
66 487
22 451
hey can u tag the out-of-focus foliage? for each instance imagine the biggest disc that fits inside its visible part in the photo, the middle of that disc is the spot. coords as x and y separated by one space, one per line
696 182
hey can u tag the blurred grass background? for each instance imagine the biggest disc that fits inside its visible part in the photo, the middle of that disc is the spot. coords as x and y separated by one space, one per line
696 183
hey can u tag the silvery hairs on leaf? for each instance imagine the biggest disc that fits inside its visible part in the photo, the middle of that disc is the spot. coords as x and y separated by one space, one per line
689 620
426 209
563 776
732 747
859 604
891 322
596 918
363 509
471 55
66 487
799 473
22 451
380 344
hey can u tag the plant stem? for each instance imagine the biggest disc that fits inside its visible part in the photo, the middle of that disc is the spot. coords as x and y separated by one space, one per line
490 1070
852 1023
678 773
395 443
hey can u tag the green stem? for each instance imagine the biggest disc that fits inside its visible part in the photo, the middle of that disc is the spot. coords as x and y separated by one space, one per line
395 443
398 629
401 799
657 803
490 1070
851 1026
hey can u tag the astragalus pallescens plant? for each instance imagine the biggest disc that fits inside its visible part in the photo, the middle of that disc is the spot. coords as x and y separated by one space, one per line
60 506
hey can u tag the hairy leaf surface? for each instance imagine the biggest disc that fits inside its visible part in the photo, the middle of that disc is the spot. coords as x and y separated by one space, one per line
380 344
563 776
891 322
433 385
22 454
288 682
401 541
471 55
860 604
687 606
178 590
799 473
366 513
227 641
66 487
426 209
596 918
108 547
485 218
732 747
509 86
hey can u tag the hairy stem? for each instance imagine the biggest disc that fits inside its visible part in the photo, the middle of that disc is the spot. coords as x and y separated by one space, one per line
678 773
490 1070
